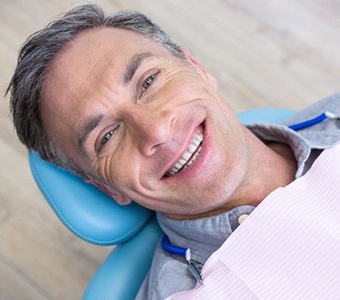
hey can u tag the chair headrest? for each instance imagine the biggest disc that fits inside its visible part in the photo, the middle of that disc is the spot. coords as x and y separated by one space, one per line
84 209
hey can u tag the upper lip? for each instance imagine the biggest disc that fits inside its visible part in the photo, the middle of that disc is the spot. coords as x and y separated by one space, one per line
185 149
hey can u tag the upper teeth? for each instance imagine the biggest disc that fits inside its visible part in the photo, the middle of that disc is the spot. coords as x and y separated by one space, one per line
185 161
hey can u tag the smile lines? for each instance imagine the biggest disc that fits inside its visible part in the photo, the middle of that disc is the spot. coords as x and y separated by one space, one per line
189 156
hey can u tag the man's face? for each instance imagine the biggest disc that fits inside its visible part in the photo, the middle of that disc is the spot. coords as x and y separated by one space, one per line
147 124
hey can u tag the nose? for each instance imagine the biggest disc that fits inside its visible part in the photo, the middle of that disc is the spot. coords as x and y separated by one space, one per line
150 129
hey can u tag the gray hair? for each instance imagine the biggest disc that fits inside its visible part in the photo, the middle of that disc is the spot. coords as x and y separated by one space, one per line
37 54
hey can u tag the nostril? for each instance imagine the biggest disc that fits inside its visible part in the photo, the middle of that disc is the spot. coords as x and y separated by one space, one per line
173 121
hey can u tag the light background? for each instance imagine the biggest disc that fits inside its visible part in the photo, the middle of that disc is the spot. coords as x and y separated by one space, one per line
265 53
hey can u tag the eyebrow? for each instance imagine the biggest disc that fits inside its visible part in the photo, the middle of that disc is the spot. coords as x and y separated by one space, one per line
133 65
83 133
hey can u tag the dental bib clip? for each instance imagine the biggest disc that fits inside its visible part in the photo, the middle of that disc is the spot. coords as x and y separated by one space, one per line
182 252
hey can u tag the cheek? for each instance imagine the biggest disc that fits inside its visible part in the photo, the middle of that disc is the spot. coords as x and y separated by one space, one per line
118 170
106 170
232 159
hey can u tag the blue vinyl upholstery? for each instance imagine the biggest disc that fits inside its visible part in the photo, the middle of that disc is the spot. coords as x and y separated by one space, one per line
96 218
84 209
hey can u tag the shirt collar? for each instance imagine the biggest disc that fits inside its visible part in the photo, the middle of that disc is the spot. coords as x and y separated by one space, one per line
282 134
202 243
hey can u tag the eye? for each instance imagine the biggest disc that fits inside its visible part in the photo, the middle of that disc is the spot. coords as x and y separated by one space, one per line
111 138
147 82
106 138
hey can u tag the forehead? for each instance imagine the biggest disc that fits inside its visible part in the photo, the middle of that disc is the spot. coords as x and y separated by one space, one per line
92 52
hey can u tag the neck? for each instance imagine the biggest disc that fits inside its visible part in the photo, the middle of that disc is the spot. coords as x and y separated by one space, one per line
272 165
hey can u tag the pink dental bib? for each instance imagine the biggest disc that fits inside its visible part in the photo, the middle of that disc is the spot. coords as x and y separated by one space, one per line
288 248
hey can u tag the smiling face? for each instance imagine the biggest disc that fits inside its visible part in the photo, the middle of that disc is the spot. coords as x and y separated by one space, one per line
148 125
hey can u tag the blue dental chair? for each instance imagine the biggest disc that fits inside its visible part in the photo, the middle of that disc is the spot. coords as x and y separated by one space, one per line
96 218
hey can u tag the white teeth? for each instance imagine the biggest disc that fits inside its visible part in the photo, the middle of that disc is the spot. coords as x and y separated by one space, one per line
187 155
192 148
196 142
182 161
178 165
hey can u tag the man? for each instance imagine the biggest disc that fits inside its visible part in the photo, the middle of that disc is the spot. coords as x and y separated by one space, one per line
115 101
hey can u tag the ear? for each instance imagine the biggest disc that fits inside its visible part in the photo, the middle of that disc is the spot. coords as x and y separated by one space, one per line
193 61
117 196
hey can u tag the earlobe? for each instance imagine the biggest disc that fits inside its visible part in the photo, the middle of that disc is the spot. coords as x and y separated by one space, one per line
121 199
117 196
193 61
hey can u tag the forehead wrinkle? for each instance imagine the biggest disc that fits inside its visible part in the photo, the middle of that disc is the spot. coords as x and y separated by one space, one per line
84 131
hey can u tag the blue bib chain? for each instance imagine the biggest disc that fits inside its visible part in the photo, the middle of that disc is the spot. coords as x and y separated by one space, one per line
186 251
314 121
